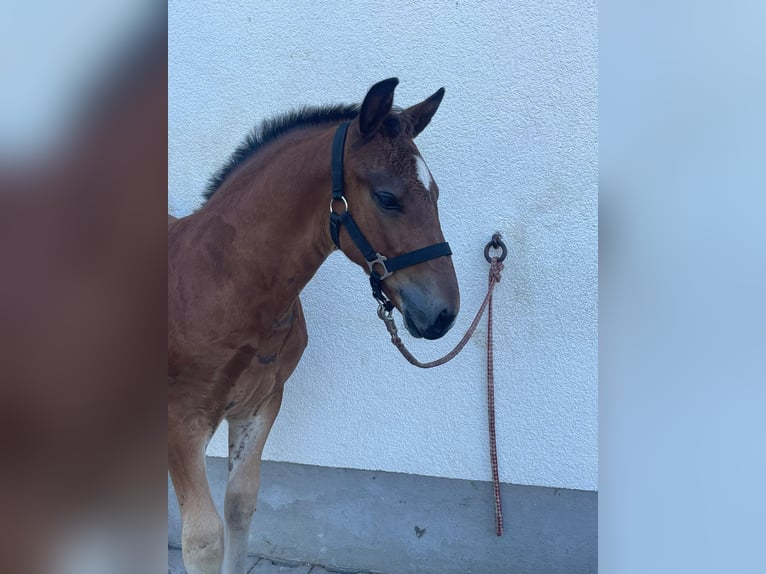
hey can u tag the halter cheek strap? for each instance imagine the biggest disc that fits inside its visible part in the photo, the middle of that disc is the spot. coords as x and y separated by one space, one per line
380 266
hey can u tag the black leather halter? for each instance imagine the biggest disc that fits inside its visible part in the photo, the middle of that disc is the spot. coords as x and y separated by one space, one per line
373 258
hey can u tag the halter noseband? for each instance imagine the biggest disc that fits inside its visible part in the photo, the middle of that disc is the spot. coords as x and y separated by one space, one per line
373 258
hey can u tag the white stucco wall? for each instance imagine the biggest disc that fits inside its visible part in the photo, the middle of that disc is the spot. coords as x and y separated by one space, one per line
513 148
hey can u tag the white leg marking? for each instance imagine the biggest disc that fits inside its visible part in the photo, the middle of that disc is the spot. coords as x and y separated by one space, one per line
424 174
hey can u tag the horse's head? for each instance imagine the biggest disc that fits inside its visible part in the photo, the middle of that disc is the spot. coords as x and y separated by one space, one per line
393 199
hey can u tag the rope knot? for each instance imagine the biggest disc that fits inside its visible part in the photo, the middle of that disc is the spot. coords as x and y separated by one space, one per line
495 270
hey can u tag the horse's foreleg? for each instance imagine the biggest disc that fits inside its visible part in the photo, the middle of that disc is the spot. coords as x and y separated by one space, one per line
202 529
247 437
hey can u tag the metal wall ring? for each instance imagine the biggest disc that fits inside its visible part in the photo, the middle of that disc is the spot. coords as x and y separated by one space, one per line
496 243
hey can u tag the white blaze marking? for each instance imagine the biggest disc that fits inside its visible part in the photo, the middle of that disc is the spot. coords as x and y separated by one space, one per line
424 174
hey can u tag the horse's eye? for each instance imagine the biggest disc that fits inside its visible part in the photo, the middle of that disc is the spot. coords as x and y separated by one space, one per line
387 201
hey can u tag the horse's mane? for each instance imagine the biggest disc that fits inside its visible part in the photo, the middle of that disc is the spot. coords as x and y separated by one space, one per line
271 129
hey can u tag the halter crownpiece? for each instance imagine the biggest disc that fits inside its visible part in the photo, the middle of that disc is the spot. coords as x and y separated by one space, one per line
380 266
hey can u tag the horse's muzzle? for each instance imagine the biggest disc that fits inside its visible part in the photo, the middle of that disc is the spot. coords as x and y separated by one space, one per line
434 325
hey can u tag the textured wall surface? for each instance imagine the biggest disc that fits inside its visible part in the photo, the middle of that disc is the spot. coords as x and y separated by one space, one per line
513 148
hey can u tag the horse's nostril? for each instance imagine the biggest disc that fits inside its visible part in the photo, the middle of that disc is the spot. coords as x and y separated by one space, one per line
441 325
444 319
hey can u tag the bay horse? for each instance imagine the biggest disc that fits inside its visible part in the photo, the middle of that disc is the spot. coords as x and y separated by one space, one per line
236 267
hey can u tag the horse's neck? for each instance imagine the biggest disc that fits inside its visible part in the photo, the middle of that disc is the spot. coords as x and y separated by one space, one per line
267 233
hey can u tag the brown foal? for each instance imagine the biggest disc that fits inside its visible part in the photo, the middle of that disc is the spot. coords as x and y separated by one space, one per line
236 268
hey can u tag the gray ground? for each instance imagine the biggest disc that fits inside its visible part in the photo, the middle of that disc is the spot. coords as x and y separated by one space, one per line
259 565
315 519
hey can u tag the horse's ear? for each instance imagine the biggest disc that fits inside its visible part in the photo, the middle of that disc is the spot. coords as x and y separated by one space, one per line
376 106
422 113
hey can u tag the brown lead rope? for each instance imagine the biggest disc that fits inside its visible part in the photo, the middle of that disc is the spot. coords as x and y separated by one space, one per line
495 269
493 279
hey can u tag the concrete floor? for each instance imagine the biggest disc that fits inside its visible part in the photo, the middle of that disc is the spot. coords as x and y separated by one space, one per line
351 521
258 565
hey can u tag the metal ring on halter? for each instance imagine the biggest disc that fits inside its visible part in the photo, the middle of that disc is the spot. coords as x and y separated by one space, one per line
496 243
380 259
334 199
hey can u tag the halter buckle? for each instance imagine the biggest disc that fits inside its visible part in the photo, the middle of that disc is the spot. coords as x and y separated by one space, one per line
381 260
